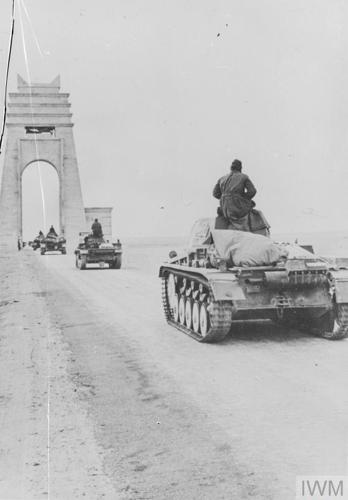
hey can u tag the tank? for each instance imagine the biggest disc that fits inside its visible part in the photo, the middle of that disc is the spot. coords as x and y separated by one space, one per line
204 293
97 251
37 242
53 243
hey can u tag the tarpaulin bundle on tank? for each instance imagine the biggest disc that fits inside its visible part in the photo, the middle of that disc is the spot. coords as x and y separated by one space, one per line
240 248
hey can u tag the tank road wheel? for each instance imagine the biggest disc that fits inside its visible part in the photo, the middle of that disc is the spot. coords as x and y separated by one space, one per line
171 290
195 317
203 318
334 324
117 263
182 310
204 321
188 313
81 262
175 307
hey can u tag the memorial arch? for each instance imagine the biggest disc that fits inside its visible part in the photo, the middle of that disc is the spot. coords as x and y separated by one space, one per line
39 128
40 199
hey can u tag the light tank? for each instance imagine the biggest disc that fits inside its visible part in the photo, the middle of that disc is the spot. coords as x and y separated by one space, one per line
53 243
37 241
204 292
97 251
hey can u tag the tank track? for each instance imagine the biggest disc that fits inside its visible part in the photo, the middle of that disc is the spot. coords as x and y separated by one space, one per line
342 325
220 313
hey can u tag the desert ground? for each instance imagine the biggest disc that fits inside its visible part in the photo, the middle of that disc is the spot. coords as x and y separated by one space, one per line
101 399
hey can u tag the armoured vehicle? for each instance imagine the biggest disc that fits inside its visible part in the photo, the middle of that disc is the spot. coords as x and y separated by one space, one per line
203 292
53 244
37 242
92 250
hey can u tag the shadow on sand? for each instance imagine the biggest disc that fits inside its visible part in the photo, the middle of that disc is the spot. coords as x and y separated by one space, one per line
264 331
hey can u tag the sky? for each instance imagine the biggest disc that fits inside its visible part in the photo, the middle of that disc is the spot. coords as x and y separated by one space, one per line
165 94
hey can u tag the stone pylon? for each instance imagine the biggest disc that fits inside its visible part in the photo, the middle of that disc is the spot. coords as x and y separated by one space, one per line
39 128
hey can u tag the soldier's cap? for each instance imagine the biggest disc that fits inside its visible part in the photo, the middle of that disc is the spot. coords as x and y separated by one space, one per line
236 165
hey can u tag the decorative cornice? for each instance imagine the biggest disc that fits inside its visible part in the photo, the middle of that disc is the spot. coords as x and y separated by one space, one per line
39 104
38 138
23 125
56 115
37 94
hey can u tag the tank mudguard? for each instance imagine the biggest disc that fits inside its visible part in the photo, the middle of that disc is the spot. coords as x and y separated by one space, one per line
225 286
226 289
339 280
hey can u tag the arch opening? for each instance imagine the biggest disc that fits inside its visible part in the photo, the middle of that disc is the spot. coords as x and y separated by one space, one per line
40 199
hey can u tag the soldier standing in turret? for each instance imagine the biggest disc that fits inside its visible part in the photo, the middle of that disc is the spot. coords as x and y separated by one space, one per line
97 229
235 192
52 233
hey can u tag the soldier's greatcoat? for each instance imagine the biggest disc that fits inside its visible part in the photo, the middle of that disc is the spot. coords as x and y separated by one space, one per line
235 192
97 229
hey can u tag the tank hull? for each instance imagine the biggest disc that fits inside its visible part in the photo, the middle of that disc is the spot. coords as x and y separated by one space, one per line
204 291
294 296
53 245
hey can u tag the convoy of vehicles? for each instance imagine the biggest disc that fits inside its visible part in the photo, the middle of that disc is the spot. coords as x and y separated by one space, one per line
210 286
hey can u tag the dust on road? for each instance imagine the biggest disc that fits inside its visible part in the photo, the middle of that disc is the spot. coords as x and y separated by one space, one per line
138 410
47 444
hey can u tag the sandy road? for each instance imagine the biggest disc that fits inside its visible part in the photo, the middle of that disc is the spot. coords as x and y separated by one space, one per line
159 415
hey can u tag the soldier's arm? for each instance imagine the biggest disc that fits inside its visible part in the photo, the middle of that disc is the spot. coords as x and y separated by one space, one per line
250 189
217 190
